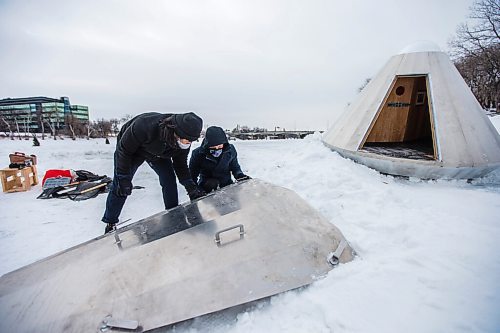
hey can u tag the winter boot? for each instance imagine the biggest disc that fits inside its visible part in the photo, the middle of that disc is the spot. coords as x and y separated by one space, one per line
110 227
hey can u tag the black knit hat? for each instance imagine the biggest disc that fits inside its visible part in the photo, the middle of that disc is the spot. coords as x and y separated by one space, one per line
215 136
187 126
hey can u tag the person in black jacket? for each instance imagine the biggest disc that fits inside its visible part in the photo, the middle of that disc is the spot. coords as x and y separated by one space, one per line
212 163
163 141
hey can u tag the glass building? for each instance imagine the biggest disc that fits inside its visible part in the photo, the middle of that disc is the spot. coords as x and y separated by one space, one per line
27 114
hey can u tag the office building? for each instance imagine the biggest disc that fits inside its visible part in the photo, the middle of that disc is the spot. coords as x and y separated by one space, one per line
29 113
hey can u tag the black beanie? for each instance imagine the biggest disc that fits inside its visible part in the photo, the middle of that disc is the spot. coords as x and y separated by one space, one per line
187 126
215 136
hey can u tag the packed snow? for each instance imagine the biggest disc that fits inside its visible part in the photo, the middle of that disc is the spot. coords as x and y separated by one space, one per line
428 251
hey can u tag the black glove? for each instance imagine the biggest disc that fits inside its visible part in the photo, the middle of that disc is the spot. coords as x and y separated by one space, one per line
194 191
124 187
243 177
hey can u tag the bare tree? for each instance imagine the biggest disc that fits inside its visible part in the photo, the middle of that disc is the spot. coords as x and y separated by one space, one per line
43 127
26 128
17 127
51 120
89 128
73 136
27 124
52 128
72 126
80 128
476 51
76 128
115 123
8 127
102 128
483 32
126 118
54 120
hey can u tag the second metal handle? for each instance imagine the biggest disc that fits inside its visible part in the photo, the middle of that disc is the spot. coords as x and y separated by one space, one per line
217 234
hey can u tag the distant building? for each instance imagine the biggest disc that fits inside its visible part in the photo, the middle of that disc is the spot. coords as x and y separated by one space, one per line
28 113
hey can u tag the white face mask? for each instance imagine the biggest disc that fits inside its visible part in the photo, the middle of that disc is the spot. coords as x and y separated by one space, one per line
183 145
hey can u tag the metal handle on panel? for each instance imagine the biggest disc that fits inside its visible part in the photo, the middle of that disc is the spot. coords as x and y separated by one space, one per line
122 325
142 234
217 234
334 257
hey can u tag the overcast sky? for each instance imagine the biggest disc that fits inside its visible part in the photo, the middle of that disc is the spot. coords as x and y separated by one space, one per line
292 64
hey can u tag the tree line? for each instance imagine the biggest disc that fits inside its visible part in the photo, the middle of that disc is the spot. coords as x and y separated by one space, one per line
54 128
476 52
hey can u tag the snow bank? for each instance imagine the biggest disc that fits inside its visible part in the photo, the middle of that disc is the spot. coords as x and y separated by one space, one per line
428 250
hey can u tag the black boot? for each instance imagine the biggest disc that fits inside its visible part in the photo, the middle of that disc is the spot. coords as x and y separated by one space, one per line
109 228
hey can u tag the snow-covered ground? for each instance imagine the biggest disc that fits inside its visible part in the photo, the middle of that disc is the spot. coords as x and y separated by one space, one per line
429 251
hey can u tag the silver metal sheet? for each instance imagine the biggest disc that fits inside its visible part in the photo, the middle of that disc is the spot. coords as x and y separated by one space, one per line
169 267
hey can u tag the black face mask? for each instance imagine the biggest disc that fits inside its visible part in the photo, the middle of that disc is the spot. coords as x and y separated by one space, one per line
215 152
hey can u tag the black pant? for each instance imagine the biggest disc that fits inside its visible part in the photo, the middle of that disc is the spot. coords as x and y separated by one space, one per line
165 171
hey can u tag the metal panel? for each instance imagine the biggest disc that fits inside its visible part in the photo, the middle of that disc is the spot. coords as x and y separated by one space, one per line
169 267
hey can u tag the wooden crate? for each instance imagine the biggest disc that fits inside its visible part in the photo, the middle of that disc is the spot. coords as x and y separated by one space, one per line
16 180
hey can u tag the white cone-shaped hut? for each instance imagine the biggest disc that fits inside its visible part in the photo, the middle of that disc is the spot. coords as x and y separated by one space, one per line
417 117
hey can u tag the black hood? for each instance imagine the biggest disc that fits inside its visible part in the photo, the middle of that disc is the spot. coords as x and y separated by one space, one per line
214 136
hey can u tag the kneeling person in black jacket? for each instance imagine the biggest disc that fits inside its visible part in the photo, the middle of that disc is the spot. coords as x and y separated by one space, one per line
163 141
212 163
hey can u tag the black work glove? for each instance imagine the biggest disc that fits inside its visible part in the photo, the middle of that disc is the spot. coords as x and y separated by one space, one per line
194 192
124 187
243 177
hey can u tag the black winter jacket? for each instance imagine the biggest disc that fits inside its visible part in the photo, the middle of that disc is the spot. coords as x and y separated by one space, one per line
140 138
203 165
